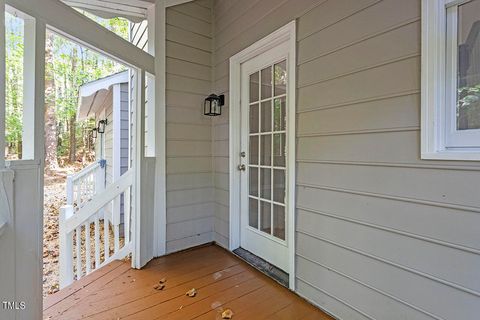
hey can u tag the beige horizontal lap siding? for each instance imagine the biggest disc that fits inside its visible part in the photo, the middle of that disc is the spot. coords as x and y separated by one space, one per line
190 186
381 234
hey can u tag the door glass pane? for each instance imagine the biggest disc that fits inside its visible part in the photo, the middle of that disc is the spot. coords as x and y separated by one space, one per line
279 186
253 181
279 118
468 98
280 78
266 83
253 213
254 118
254 150
279 150
254 83
265 183
266 149
265 216
279 221
266 116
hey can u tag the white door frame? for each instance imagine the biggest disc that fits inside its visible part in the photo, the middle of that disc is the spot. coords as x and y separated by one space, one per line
284 34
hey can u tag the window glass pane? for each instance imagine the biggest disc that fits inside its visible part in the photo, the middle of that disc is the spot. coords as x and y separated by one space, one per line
279 119
279 221
265 217
280 75
14 82
265 183
253 181
266 116
279 150
267 83
468 99
254 150
253 213
254 118
279 186
266 150
254 87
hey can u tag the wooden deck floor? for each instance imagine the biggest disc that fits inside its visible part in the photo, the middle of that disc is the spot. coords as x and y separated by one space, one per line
222 281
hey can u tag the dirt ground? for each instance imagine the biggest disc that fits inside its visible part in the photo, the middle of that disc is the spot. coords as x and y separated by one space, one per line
54 198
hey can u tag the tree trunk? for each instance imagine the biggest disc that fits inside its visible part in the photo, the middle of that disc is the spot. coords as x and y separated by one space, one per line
51 162
73 140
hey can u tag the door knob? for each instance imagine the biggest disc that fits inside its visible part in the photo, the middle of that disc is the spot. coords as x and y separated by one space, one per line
241 167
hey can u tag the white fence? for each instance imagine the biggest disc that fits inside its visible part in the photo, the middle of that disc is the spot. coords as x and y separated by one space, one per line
91 205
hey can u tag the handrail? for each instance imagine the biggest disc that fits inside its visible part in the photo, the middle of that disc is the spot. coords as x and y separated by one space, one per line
91 167
99 201
76 222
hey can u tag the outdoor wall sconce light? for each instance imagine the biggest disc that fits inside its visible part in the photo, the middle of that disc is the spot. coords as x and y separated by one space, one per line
94 133
212 105
101 126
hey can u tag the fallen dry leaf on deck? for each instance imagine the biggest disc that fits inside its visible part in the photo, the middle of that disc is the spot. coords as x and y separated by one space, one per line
192 292
163 280
159 286
227 314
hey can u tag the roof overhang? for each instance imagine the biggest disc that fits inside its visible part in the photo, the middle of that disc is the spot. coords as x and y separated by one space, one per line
92 95
133 10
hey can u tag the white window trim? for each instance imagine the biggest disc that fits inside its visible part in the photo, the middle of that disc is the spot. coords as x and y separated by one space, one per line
286 33
434 75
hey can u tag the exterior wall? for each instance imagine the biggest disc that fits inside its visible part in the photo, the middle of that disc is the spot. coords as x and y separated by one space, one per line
107 113
190 205
380 234
124 128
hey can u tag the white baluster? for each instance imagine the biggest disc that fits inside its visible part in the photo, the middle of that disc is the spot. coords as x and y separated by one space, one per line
97 241
106 237
88 261
78 232
69 190
126 215
66 248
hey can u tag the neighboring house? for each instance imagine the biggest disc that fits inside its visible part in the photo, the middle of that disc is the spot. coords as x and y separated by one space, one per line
106 99
337 164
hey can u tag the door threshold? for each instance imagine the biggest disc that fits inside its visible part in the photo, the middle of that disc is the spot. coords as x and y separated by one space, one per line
263 266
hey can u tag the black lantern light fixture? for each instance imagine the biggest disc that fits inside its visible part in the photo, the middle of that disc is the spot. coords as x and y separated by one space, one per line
101 126
94 133
212 105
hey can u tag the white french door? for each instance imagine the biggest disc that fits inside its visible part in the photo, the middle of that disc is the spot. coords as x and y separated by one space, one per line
263 152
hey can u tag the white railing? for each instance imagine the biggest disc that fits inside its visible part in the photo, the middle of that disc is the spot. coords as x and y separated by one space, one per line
83 185
78 254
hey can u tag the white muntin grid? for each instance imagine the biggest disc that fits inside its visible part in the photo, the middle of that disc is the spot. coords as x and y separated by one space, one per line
270 134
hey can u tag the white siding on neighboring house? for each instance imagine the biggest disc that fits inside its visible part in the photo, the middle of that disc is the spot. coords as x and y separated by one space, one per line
190 203
380 234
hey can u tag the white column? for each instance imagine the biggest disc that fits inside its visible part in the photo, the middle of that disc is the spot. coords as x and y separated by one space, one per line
28 140
2 84
158 40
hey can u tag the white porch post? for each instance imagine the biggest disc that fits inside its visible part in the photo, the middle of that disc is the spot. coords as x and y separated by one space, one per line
28 145
158 34
2 84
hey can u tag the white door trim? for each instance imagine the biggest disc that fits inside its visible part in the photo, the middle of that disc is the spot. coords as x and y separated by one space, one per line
284 34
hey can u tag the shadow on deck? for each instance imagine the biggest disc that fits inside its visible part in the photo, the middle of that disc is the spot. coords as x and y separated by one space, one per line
222 281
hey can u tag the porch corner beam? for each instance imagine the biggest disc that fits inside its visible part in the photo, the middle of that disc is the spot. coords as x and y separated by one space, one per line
2 85
66 21
158 18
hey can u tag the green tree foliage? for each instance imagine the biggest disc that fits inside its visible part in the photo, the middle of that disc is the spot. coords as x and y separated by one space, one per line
13 83
73 66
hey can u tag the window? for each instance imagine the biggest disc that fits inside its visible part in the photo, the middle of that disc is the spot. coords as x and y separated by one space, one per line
19 85
451 79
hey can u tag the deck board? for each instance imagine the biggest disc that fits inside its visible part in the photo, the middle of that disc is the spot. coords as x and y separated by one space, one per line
221 279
